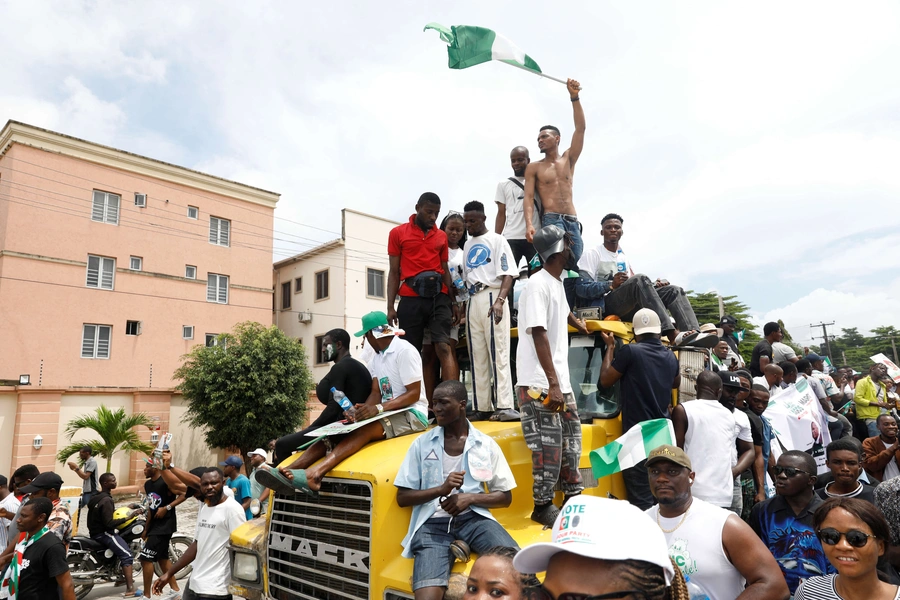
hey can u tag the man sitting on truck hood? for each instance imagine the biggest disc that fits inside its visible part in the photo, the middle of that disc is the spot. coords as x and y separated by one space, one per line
396 371
451 476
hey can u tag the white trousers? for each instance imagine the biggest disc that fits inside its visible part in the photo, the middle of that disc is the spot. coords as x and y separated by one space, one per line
489 352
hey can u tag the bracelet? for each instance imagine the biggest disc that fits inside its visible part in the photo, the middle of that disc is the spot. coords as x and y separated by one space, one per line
575 99
380 408
501 300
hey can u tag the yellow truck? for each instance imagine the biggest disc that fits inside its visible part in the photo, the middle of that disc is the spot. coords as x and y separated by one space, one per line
345 544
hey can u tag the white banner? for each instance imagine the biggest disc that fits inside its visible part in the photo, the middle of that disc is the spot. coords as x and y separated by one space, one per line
798 420
893 370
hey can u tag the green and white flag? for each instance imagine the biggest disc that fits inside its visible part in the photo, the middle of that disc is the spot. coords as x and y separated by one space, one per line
632 448
469 46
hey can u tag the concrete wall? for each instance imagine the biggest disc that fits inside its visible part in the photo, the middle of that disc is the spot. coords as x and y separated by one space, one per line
7 430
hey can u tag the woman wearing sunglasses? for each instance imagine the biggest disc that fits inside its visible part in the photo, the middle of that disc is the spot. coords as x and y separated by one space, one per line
854 535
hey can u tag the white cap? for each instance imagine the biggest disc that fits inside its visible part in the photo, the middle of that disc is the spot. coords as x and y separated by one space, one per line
600 528
646 321
258 452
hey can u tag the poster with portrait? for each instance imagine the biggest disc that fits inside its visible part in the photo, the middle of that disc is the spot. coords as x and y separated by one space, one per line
893 370
799 422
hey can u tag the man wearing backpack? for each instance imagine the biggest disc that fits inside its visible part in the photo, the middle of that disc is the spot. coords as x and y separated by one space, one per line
510 200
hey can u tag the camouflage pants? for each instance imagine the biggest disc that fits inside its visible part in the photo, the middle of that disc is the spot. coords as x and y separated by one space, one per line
554 439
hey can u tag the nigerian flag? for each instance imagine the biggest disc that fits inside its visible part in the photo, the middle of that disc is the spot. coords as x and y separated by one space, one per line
469 46
631 448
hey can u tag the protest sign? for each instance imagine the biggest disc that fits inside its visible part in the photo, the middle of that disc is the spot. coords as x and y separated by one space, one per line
893 370
799 422
342 427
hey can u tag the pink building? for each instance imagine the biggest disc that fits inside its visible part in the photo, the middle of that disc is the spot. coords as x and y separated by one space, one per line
112 266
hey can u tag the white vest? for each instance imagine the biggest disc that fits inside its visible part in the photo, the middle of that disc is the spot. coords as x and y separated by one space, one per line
696 547
709 443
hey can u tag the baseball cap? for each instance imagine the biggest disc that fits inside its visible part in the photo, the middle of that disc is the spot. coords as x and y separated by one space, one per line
232 461
646 321
813 357
730 379
599 528
44 481
670 453
370 321
727 320
550 240
258 452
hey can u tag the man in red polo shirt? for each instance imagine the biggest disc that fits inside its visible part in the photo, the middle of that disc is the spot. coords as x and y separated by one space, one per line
419 273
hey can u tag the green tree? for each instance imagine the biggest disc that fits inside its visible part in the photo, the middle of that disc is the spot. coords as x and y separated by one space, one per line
116 431
249 388
706 307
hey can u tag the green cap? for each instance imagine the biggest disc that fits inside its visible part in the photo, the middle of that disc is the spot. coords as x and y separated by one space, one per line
374 319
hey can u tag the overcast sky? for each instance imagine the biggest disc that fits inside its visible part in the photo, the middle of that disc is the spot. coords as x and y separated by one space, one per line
752 149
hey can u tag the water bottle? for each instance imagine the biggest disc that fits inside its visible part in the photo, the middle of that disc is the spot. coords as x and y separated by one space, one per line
695 592
621 265
343 400
462 293
542 395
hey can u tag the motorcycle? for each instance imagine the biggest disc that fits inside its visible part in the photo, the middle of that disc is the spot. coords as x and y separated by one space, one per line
91 563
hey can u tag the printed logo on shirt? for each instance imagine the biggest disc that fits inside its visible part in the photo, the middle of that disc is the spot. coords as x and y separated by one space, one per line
504 263
477 256
155 500
387 392
431 456
679 552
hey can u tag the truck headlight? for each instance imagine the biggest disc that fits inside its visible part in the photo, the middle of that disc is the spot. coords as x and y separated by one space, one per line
246 567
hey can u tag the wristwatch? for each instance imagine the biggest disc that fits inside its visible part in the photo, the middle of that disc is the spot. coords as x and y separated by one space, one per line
380 408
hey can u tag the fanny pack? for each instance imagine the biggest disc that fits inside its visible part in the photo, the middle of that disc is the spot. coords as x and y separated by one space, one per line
426 284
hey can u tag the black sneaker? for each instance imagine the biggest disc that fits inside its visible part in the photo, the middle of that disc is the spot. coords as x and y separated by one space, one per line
545 514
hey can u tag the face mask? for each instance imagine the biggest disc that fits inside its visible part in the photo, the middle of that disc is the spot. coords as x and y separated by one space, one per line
330 352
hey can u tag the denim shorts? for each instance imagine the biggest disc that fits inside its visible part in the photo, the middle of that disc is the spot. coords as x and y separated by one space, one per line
430 545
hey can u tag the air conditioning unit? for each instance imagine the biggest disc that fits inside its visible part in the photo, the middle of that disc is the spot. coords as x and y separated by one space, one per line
140 200
304 317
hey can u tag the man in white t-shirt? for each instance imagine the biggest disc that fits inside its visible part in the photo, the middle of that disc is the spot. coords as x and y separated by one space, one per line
396 370
208 554
608 281
706 430
510 208
782 352
488 270
9 505
720 553
550 421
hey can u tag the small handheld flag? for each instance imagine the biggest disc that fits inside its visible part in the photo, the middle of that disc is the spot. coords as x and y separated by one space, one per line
632 447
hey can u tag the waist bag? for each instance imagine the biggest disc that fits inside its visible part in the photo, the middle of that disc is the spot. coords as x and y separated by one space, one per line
426 284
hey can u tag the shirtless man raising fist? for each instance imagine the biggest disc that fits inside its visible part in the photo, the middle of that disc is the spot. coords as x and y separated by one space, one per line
552 177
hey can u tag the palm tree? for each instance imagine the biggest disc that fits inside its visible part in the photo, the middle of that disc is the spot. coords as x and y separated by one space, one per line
116 431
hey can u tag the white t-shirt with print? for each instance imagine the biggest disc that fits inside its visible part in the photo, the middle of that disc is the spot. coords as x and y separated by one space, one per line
487 259
455 262
512 199
602 264
543 304
742 429
211 568
398 366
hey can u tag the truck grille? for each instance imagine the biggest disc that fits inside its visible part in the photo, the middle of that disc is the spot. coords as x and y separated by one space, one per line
319 547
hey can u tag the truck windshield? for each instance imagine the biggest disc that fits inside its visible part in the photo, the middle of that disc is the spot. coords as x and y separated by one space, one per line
585 357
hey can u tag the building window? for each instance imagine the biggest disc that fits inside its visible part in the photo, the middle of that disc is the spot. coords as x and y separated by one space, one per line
137 263
375 283
101 272
140 200
320 350
285 295
322 285
212 339
298 285
95 341
193 212
190 272
132 328
219 231
105 208
217 288
187 332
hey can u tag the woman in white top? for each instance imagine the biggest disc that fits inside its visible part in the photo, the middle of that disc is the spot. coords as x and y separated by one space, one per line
855 537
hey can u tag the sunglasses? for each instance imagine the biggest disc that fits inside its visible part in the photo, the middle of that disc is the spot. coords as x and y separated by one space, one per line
789 471
539 593
854 537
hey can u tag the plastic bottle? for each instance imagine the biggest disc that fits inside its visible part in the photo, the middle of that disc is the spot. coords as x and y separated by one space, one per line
621 265
343 400
540 394
462 293
695 591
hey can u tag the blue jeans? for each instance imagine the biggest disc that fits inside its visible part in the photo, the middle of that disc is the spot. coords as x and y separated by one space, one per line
569 224
872 426
430 545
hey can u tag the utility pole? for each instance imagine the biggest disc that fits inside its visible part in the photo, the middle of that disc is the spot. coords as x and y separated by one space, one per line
722 308
844 356
825 336
894 346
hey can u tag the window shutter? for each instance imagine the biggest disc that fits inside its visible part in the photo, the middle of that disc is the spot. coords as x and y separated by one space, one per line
87 341
102 341
112 209
213 230
223 289
224 232
93 271
211 283
99 207
109 269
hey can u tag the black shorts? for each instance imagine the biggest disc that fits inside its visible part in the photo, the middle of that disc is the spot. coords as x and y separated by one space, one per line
156 548
416 314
